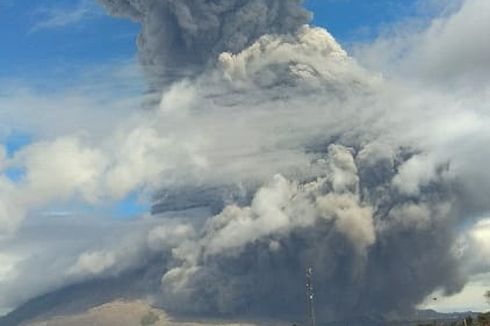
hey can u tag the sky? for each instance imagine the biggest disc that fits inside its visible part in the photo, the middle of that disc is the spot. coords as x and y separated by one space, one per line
52 40
53 43
69 64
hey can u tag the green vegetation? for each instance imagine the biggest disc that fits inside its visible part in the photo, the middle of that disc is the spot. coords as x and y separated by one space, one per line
484 319
149 319
481 320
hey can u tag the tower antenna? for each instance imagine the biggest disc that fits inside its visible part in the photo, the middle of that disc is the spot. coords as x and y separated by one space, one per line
310 296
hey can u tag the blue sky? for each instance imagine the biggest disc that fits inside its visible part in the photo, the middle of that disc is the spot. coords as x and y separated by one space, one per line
52 39
44 44
52 43
354 20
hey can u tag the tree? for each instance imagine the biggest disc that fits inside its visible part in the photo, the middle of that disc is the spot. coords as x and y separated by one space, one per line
150 319
487 296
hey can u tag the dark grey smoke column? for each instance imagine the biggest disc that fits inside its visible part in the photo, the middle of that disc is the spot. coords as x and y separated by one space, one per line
180 37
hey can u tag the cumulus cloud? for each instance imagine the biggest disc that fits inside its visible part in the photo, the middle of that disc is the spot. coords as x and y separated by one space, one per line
451 50
73 168
93 263
476 241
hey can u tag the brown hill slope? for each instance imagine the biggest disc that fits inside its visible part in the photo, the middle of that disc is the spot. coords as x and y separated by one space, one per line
123 313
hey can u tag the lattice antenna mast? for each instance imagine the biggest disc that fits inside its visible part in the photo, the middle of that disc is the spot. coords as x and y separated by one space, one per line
310 296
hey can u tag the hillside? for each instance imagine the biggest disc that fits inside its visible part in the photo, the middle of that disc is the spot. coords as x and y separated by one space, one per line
122 313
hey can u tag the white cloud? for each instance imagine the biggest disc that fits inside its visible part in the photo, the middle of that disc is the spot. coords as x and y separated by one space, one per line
63 163
49 252
58 17
469 299
7 267
452 49
92 99
93 263
476 242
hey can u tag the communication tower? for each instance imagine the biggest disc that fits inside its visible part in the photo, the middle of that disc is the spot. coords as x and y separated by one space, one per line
310 296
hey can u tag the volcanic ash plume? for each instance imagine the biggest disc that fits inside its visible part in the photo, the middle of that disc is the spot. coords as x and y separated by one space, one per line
272 150
309 160
180 36
373 249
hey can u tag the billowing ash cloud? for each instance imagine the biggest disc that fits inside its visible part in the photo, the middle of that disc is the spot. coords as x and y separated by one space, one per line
178 37
281 153
373 248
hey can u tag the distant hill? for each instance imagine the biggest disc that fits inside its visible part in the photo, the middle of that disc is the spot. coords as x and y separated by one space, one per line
121 313
81 297
114 301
